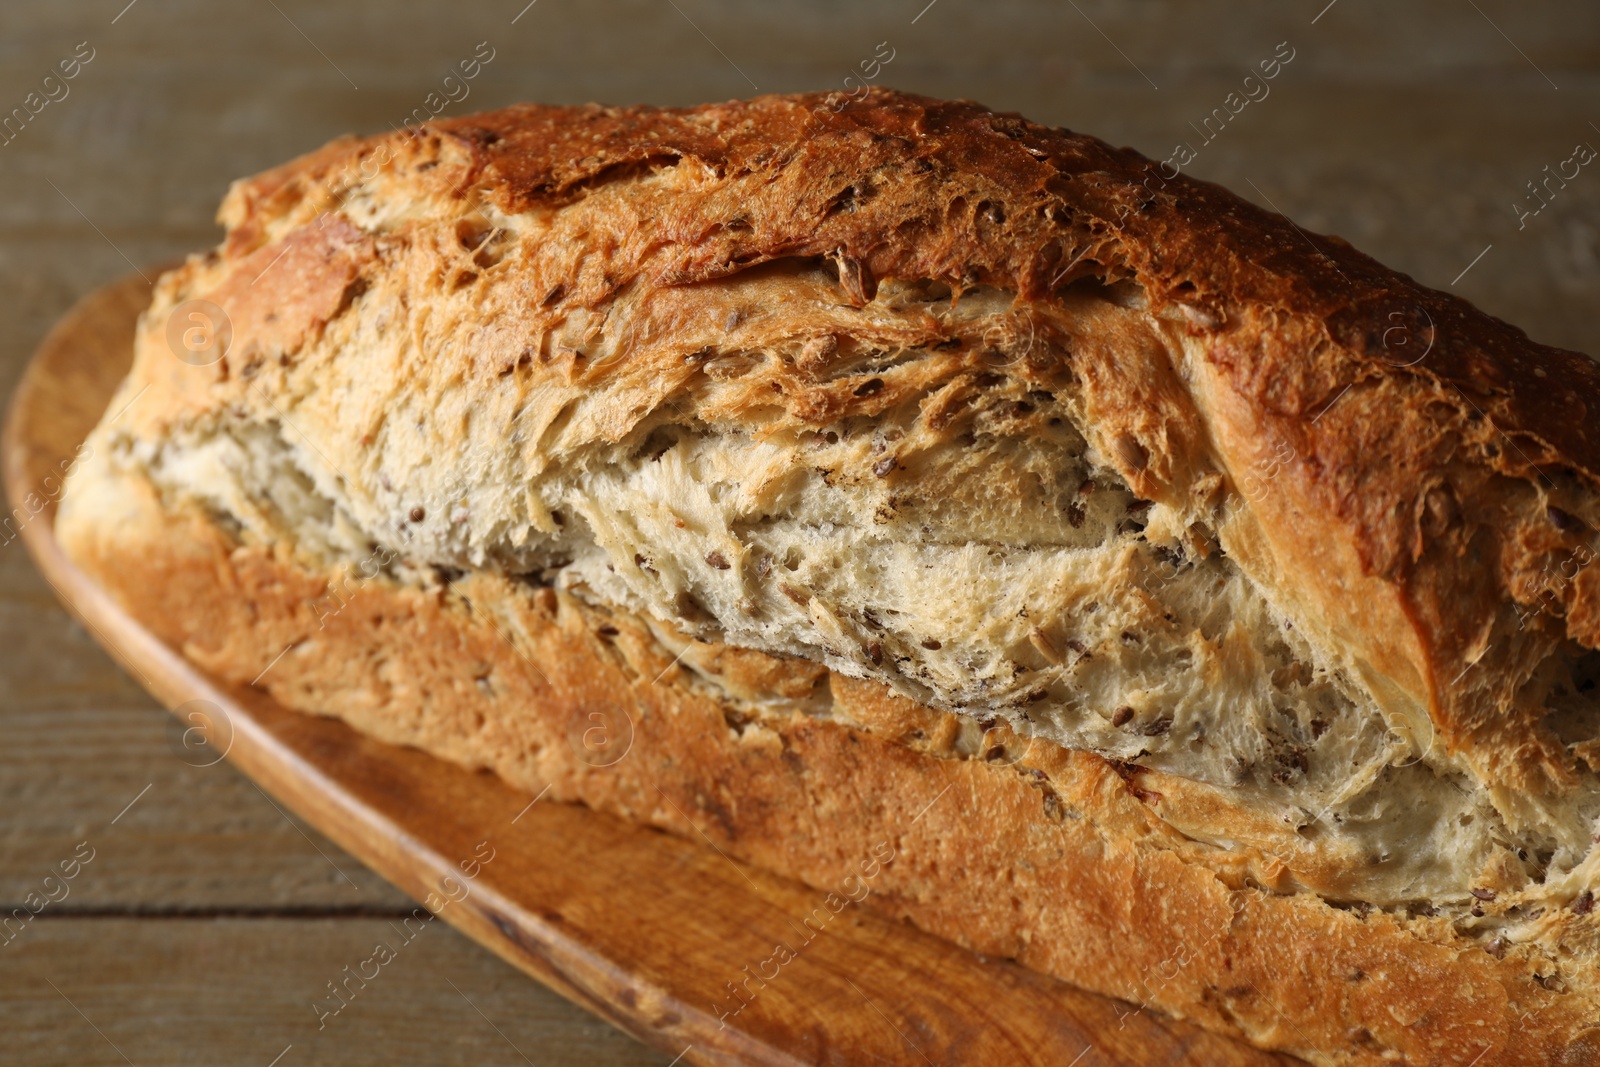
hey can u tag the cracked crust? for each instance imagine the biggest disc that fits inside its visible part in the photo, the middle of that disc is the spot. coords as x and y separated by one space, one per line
1426 523
1443 466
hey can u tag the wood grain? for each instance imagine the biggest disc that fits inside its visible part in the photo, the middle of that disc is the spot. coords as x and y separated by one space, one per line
159 997
199 839
643 929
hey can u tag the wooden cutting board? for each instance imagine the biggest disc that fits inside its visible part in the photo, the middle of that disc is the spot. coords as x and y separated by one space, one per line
643 929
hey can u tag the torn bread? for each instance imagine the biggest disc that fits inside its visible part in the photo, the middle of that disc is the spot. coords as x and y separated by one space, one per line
842 453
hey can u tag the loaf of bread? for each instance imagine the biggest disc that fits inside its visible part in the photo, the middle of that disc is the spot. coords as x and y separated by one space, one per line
1202 609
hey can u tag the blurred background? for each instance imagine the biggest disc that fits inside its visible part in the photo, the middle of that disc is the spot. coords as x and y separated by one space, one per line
1449 138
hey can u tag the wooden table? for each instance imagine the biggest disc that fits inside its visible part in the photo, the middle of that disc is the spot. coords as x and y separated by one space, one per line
207 921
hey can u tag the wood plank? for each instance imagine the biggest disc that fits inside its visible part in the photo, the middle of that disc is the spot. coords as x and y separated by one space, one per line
196 838
787 40
178 992
1407 128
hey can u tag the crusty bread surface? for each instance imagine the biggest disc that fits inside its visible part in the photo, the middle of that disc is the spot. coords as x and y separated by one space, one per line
1203 608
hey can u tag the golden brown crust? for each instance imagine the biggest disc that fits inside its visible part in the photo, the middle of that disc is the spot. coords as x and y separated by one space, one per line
1442 466
953 192
1059 859
1432 499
